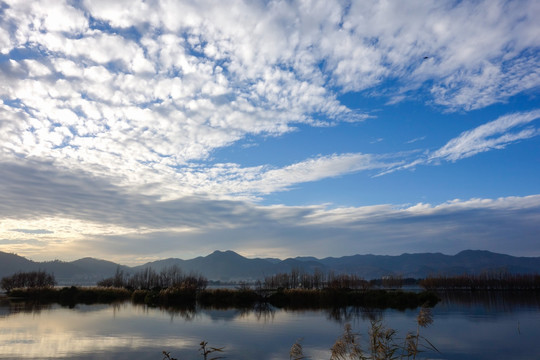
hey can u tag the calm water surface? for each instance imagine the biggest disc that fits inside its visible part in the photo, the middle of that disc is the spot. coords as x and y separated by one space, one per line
465 327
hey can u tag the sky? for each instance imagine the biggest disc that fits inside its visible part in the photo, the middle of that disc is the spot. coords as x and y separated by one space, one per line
140 130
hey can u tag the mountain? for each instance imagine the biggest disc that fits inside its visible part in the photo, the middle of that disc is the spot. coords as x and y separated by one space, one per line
12 263
89 270
85 271
220 265
424 264
228 265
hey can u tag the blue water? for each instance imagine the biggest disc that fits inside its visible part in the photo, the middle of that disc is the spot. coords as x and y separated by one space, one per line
467 327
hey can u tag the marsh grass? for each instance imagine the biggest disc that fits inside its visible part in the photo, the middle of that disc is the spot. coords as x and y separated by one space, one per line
382 342
71 295
205 351
487 281
297 351
243 298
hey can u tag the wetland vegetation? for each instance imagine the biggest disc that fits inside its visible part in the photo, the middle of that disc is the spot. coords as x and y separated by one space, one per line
171 288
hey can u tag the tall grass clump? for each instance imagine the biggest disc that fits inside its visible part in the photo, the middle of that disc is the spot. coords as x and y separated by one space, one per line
205 351
382 342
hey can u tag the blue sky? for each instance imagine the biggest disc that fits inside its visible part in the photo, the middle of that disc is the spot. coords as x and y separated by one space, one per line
140 130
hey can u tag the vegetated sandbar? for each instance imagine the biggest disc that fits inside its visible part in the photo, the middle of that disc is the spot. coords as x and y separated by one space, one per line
230 298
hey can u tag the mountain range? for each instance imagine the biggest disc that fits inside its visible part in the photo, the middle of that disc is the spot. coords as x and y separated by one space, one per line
230 266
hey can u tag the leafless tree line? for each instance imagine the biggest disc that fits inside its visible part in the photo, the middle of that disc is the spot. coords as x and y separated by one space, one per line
147 278
297 279
33 279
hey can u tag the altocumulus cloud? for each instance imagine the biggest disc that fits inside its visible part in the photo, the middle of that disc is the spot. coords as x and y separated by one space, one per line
109 119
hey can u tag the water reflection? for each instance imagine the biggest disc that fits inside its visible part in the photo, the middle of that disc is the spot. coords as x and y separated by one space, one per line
495 302
8 308
467 326
492 301
121 331
349 314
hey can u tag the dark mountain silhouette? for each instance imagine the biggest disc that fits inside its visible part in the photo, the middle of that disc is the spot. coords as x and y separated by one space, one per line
12 263
220 265
85 271
228 265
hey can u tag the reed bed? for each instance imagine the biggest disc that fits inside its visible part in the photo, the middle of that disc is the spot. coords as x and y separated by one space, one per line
172 288
72 295
227 298
485 282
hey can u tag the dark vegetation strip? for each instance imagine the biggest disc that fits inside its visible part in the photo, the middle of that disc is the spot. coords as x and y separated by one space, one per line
502 281
172 288
295 290
71 295
222 298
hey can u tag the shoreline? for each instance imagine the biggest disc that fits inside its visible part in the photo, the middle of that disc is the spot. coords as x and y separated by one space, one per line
237 298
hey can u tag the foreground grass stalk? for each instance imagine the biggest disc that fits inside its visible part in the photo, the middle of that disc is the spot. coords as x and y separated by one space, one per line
383 343
296 352
205 351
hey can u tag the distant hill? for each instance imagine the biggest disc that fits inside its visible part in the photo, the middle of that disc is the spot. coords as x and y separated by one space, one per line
228 265
85 271
12 263
220 265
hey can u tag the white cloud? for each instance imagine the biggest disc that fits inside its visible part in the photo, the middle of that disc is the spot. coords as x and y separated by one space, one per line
35 17
141 94
265 67
250 182
121 13
366 43
312 170
5 41
492 135
412 141
475 50
71 214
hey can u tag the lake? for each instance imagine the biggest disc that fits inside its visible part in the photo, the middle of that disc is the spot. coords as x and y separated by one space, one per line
466 326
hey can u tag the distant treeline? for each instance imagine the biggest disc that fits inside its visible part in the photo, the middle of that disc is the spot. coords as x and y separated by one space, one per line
171 288
171 277
319 280
230 298
33 279
71 295
486 281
